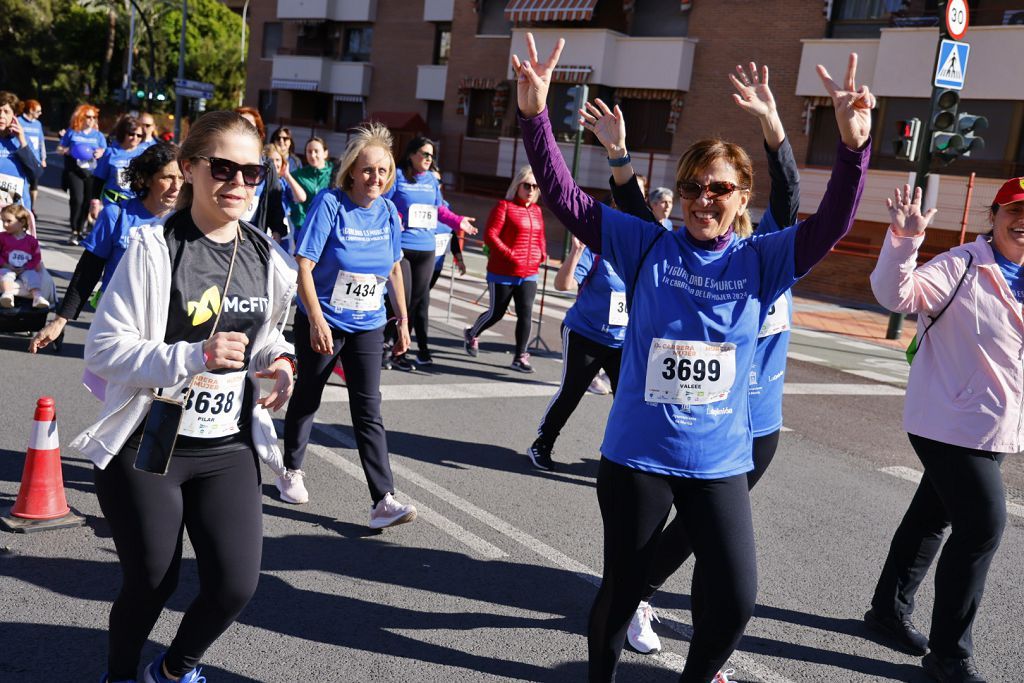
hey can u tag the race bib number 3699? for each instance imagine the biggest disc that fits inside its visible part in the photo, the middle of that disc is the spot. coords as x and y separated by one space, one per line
689 372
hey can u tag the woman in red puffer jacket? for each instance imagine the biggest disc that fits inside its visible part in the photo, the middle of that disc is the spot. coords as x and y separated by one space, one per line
515 236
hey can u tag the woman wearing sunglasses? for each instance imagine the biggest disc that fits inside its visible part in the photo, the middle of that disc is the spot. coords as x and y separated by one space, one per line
679 431
517 249
350 246
417 194
110 182
198 303
83 144
154 179
754 96
282 139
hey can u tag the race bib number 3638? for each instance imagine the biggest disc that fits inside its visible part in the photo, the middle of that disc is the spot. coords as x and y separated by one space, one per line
213 406
689 372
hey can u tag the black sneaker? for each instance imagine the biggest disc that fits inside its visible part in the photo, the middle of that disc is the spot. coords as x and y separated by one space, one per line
75 239
540 455
900 632
423 357
385 363
522 363
951 670
471 344
403 363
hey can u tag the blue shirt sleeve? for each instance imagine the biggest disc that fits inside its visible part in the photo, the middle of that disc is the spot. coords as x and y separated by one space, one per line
768 224
778 267
318 226
624 240
584 265
102 238
103 166
101 140
65 140
396 232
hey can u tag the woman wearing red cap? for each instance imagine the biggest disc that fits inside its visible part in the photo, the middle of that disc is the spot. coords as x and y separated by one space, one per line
964 412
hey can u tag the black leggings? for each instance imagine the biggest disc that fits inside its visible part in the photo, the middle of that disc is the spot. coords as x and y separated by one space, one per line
716 512
674 545
581 359
962 487
359 353
217 498
417 269
80 192
500 296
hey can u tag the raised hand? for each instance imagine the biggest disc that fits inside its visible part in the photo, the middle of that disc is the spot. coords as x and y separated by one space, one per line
752 92
853 105
533 79
905 212
609 126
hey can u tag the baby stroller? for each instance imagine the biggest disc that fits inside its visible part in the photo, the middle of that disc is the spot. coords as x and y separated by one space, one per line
23 317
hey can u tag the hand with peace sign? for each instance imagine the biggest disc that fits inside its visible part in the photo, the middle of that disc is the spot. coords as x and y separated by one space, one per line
533 78
906 219
853 105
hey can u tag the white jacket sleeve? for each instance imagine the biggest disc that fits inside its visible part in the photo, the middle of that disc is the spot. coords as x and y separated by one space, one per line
120 348
901 286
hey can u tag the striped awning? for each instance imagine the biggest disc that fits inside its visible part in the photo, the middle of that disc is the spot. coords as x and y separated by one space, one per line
349 98
293 84
644 94
470 83
572 74
532 11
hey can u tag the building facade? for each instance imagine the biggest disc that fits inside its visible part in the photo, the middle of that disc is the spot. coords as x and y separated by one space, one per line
443 67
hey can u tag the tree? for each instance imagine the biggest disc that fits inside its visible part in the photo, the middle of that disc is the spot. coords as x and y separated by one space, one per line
212 28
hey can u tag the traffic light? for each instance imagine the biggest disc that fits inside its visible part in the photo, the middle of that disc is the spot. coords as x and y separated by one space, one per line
967 125
946 142
907 134
578 95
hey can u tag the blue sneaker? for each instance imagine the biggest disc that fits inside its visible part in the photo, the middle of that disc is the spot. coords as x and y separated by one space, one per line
154 673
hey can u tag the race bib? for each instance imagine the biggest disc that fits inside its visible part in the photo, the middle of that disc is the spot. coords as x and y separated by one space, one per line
356 291
441 242
18 258
12 184
689 372
777 320
422 216
617 314
213 406
122 178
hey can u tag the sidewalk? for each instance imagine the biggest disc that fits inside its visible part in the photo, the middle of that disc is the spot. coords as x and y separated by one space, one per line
857 323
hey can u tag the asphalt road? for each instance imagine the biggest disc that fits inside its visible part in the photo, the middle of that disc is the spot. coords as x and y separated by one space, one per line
495 579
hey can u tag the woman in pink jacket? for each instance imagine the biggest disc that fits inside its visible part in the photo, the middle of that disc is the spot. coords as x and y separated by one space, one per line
964 412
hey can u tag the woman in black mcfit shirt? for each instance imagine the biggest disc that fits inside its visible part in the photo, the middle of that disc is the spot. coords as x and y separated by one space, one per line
212 486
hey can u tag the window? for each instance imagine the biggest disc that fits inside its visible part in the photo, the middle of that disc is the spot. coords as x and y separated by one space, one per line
358 41
647 121
491 20
311 108
659 18
435 114
442 43
482 123
821 151
347 115
268 104
272 32
862 18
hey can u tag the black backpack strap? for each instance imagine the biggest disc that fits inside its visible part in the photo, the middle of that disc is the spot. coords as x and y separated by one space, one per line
935 318
639 265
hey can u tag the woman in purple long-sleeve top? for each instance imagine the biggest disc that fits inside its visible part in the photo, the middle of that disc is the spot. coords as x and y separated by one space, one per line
679 432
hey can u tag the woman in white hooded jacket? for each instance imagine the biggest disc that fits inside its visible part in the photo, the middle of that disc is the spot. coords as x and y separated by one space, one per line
194 313
964 413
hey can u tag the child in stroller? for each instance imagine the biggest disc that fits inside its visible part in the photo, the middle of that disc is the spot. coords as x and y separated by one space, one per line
21 263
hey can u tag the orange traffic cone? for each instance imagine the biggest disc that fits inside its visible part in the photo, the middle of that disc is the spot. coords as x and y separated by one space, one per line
41 503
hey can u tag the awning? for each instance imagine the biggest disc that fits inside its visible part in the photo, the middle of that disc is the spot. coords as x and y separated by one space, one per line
292 84
531 11
572 74
349 98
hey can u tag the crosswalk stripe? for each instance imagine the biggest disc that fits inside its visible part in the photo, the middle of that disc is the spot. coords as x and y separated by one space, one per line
912 475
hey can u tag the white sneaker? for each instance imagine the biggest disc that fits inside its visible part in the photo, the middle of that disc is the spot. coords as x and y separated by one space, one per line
723 676
7 300
38 301
389 512
641 636
291 487
597 386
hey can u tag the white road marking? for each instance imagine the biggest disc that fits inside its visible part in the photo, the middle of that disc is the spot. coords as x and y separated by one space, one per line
740 660
812 389
910 474
796 355
877 376
813 333
463 391
467 538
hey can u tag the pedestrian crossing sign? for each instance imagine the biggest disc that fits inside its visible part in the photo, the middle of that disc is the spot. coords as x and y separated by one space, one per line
951 67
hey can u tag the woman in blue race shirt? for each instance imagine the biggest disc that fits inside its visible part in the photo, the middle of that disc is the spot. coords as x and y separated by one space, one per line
16 158
417 195
83 144
155 179
349 246
110 179
679 431
33 128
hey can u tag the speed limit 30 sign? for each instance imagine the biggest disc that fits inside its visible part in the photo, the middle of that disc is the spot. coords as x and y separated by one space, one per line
958 17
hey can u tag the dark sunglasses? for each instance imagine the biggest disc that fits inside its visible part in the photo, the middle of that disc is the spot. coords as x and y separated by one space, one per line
530 187
226 170
136 135
717 189
427 155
